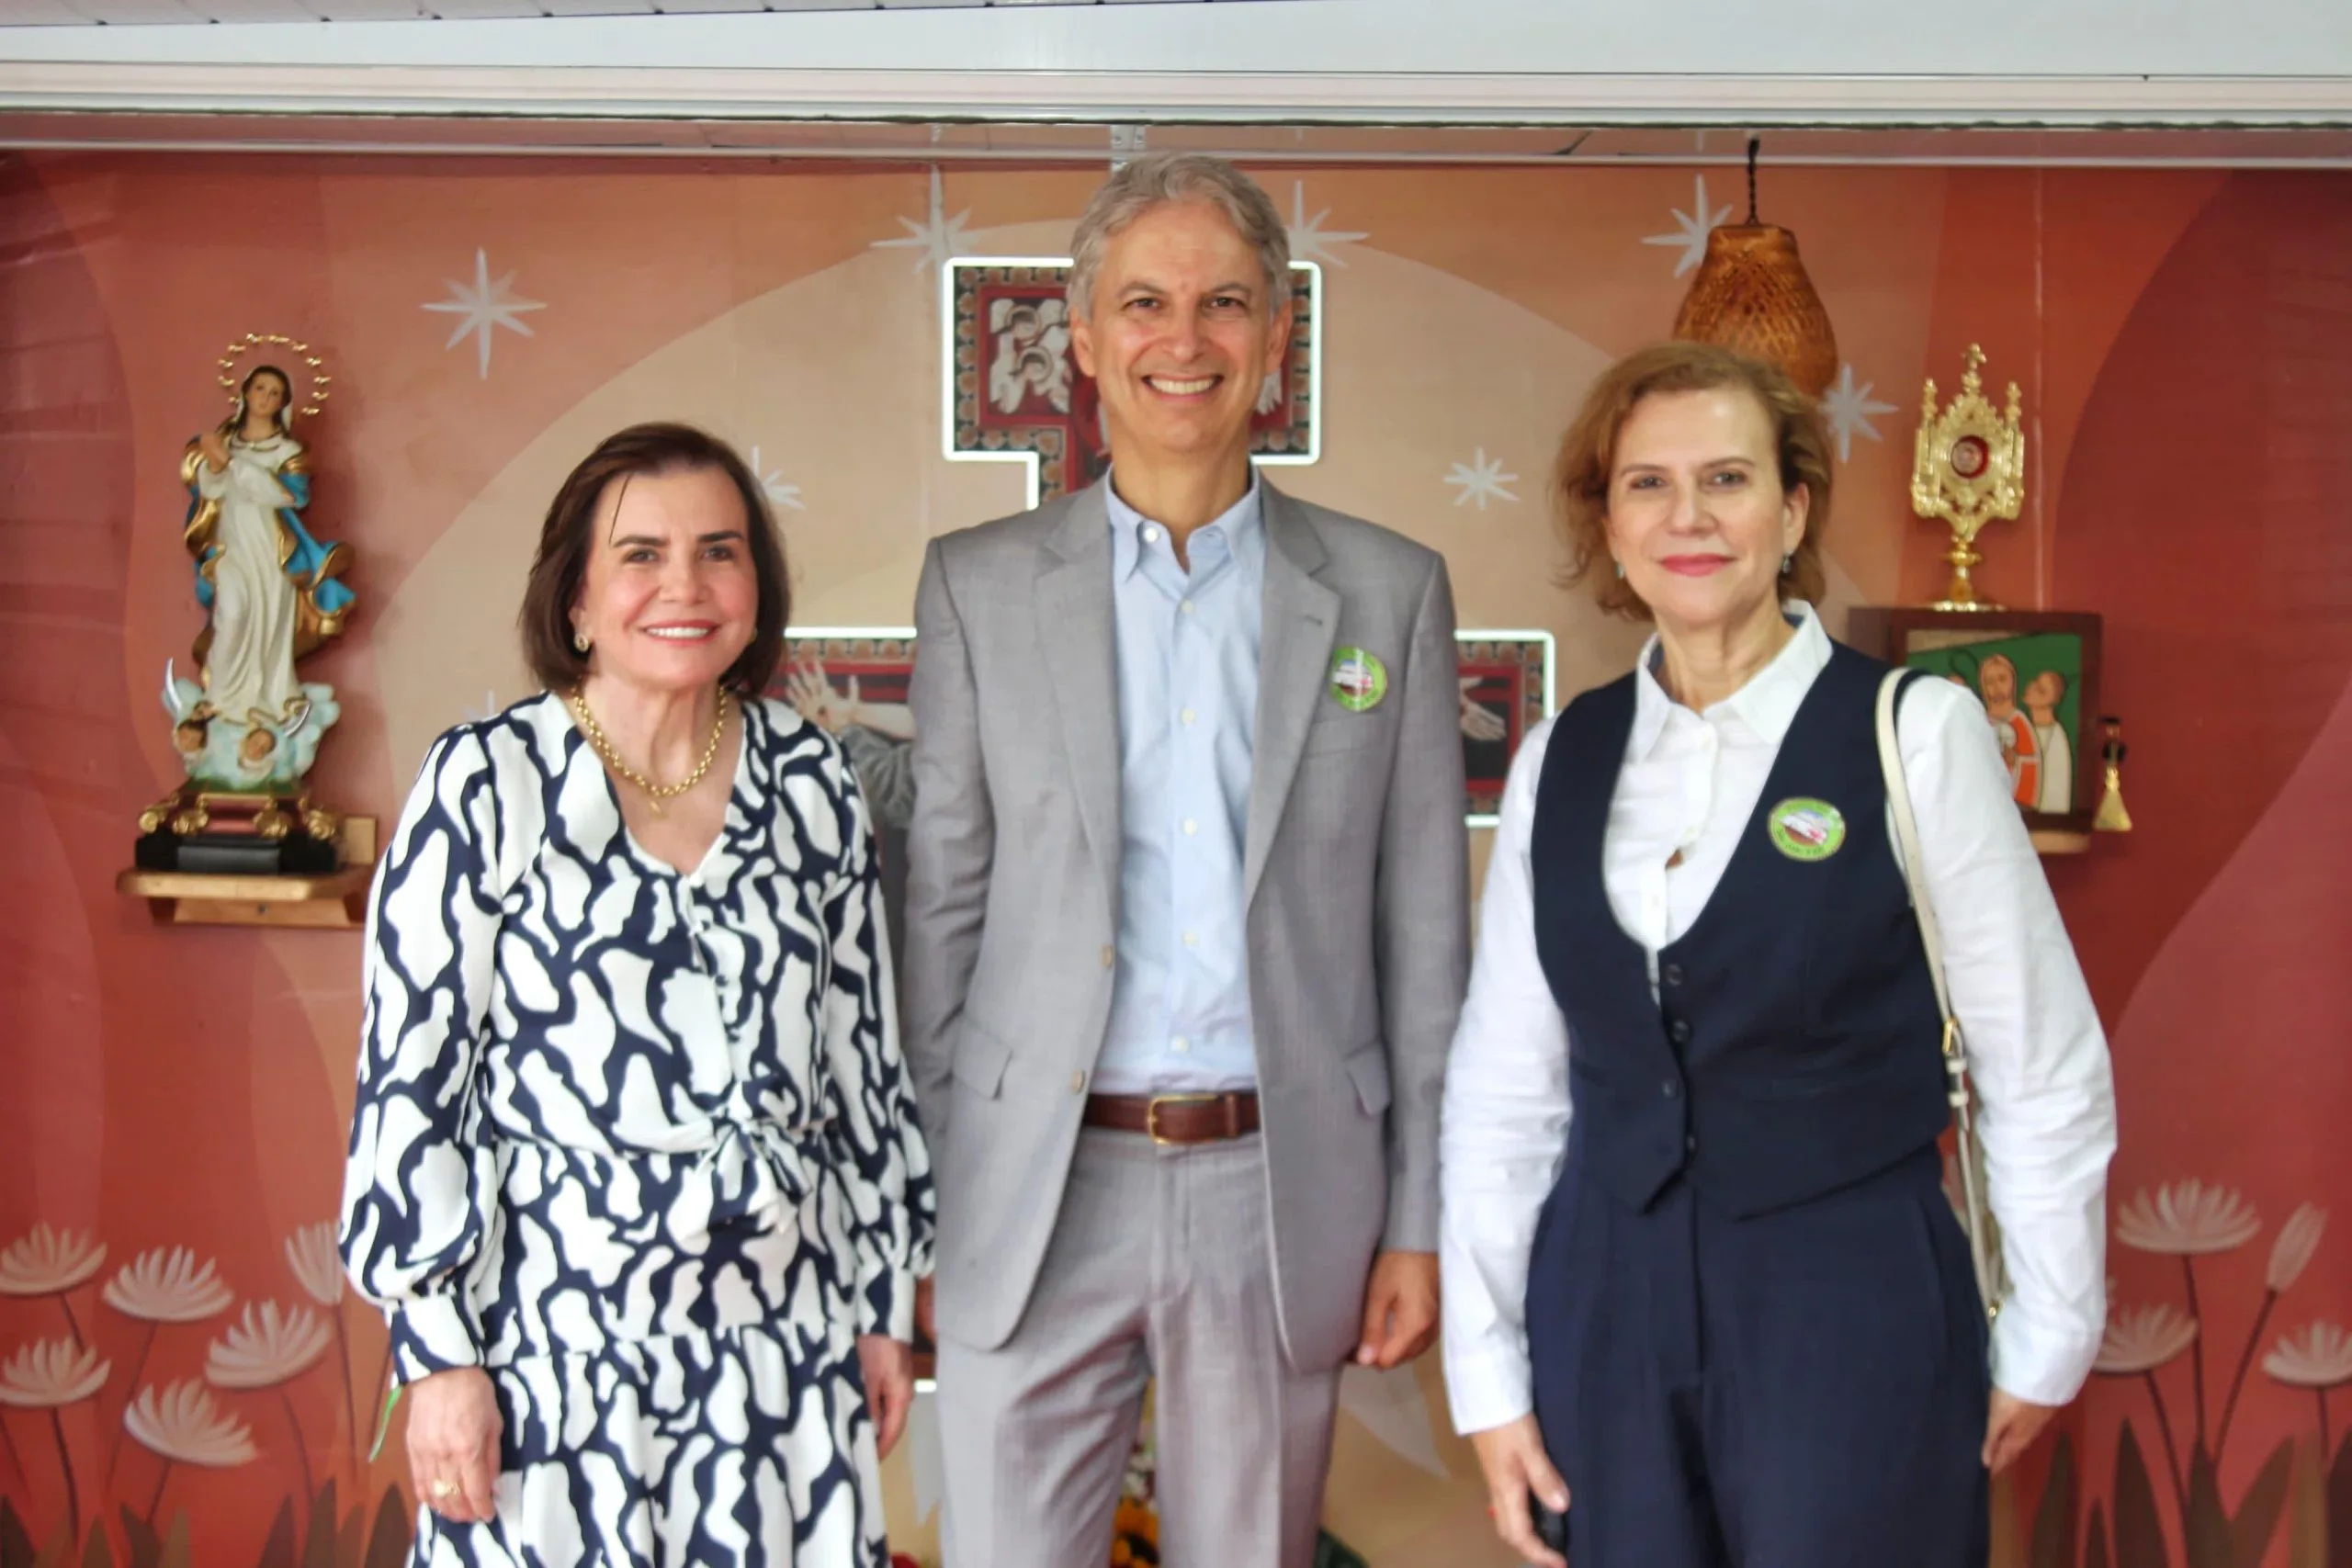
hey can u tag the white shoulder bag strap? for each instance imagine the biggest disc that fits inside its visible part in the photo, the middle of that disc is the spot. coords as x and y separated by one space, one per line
1983 1246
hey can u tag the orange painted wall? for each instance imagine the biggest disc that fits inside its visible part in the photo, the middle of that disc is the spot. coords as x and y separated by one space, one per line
2185 343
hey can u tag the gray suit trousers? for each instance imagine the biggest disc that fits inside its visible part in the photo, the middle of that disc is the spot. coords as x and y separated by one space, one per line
1158 1268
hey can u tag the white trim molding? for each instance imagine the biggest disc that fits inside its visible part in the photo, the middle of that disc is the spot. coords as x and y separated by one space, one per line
574 92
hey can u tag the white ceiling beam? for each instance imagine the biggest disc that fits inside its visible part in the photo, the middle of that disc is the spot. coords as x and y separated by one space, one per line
2057 63
1606 38
1200 96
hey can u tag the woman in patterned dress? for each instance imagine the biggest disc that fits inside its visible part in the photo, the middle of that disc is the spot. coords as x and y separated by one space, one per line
634 1168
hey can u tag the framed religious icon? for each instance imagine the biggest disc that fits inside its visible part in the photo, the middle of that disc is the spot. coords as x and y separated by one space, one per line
2036 672
1506 681
852 682
1014 393
849 676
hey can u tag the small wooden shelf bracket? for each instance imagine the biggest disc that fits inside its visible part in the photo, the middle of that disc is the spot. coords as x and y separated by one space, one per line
337 901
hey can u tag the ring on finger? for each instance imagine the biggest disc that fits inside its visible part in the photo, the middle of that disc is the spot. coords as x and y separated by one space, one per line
443 1489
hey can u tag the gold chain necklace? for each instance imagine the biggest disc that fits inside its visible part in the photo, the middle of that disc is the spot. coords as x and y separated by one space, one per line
653 792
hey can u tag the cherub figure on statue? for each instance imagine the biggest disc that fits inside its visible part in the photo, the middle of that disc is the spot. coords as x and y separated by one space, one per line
272 592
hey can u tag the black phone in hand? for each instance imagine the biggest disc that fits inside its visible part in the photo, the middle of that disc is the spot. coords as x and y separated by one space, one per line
1551 1528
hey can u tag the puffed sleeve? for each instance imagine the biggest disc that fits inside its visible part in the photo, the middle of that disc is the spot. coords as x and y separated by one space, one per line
419 1186
888 1172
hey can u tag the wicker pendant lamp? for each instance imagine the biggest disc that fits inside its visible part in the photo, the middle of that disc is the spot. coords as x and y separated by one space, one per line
1752 294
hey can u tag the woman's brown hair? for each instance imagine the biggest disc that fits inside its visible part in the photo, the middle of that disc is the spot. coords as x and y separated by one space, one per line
1588 454
567 537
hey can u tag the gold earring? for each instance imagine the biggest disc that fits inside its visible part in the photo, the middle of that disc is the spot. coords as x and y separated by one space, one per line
579 640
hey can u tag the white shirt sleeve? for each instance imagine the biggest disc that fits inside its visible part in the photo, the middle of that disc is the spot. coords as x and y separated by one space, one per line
1505 1130
2045 1093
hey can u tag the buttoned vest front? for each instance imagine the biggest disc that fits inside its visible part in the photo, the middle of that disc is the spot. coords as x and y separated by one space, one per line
1792 1044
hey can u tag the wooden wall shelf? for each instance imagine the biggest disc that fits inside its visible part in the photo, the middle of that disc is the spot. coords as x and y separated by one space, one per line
337 901
2059 842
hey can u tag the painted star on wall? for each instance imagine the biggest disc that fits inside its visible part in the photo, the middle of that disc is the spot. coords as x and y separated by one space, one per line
1848 408
482 307
778 492
933 239
1309 241
1690 230
1480 477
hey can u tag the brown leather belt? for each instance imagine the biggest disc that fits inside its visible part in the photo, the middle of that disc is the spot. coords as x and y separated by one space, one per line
1175 1118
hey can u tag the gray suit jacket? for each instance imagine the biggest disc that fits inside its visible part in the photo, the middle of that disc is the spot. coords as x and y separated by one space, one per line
1355 872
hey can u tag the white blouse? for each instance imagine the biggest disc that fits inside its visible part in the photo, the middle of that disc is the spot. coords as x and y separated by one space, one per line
1690 781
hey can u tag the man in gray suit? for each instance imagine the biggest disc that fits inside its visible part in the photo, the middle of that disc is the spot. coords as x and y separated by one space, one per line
1186 932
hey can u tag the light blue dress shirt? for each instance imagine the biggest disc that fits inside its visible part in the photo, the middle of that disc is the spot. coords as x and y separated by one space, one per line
1188 711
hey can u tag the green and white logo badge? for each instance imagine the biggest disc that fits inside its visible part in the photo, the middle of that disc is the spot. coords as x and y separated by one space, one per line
1802 829
1359 680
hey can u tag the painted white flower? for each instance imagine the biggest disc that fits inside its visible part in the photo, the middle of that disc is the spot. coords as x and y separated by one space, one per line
48 1262
52 1372
311 1253
2141 1339
182 1423
2291 1251
167 1285
2187 1218
265 1347
2320 1358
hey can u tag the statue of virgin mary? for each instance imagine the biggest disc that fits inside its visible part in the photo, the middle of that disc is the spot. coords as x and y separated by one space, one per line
272 591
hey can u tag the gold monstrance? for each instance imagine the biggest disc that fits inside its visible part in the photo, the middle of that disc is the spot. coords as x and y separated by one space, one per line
1969 468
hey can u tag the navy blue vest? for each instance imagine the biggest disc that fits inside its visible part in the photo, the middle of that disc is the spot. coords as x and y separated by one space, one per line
1793 1046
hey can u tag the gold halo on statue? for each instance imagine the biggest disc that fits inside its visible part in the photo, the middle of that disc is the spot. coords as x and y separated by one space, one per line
252 343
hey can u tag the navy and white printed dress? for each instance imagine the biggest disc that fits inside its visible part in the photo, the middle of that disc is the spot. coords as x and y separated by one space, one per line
639 1143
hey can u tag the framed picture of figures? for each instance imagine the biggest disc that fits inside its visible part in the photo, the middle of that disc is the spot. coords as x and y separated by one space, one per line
867 671
2037 673
1506 679
1013 392
854 680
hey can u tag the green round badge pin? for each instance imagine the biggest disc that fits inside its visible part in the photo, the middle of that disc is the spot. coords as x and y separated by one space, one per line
1359 680
1805 828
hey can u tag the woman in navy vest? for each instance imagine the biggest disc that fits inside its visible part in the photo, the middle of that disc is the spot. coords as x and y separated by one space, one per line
1703 1290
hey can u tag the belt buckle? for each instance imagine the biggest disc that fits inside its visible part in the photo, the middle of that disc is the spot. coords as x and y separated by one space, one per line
1151 1113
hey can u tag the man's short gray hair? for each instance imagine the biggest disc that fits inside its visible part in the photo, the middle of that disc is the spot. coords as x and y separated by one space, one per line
1162 178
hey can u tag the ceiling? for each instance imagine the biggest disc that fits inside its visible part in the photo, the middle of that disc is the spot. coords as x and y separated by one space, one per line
68 13
2258 81
1260 146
